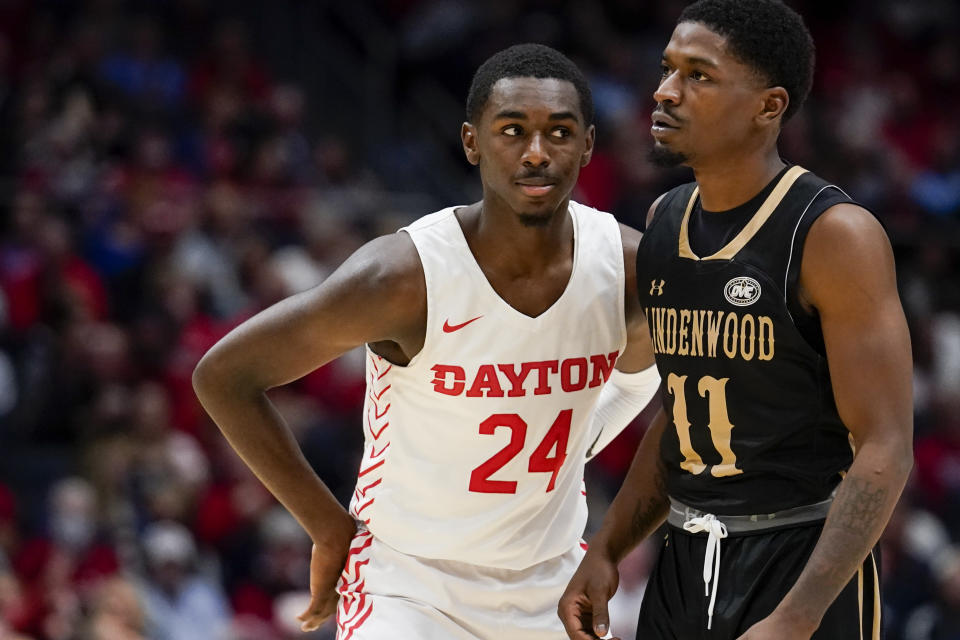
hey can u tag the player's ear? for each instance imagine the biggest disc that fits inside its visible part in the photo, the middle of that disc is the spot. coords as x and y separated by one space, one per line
588 149
468 135
775 101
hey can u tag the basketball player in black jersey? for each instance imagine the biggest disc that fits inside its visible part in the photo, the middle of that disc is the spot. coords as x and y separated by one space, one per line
771 299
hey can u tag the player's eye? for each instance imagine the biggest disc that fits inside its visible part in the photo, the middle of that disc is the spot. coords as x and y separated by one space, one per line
664 71
512 130
561 132
699 76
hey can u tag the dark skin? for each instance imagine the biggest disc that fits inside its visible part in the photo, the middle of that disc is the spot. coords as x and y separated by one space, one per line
717 113
529 143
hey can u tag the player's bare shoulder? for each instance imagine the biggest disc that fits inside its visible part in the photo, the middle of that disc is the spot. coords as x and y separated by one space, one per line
389 266
844 223
846 234
385 278
847 251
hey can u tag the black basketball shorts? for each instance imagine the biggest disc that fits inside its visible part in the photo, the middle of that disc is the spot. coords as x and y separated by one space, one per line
756 571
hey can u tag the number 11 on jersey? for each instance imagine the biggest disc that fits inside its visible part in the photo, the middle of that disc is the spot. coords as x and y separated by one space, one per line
721 429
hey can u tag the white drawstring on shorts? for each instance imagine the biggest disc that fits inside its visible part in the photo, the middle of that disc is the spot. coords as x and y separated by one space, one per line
711 561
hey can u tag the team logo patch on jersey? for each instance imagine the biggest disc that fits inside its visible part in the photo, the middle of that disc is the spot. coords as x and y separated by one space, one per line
742 291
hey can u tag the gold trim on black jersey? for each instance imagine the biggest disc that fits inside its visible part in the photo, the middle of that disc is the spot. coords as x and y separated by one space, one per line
763 213
871 623
877 603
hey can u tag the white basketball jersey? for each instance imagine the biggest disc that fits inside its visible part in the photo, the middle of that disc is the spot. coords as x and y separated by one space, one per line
475 450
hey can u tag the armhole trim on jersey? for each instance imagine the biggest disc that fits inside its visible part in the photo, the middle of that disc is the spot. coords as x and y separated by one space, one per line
793 242
793 238
426 285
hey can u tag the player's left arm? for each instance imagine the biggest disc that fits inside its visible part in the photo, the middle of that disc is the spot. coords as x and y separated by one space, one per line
634 380
847 275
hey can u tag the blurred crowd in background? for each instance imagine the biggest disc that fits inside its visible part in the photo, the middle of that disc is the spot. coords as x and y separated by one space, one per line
170 167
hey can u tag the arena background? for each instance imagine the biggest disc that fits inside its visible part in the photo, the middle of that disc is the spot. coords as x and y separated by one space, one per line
170 167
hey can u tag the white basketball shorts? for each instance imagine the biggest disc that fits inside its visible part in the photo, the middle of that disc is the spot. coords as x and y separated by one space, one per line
388 595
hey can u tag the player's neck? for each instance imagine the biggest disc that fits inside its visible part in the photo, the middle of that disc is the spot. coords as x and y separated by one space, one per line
728 184
498 237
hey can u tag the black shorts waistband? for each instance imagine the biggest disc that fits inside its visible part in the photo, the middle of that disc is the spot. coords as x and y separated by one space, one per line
680 513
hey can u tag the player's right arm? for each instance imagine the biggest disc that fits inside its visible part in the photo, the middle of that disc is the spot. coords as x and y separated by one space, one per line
639 508
377 295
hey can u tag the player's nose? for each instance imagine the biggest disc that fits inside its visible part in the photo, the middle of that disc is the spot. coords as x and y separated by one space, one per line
536 153
669 89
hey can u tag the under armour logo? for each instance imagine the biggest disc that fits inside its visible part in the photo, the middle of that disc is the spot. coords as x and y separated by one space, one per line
656 287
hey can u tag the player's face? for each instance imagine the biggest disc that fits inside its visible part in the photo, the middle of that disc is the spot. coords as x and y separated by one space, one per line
707 100
529 142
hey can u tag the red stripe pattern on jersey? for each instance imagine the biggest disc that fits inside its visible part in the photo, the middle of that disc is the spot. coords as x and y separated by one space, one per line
354 606
377 424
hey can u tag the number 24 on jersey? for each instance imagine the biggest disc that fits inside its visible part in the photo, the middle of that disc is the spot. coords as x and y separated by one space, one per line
548 457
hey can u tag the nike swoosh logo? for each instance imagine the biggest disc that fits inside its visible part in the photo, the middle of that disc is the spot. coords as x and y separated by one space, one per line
450 328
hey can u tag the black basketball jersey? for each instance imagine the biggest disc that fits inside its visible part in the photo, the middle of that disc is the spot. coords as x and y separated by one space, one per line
754 426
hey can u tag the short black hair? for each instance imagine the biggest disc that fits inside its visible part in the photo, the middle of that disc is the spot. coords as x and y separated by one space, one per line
526 61
766 35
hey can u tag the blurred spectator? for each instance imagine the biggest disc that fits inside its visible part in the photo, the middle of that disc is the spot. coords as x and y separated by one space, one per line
937 189
229 511
14 606
940 619
145 469
230 71
115 613
208 252
20 261
938 464
61 570
913 545
142 71
281 566
180 603
169 466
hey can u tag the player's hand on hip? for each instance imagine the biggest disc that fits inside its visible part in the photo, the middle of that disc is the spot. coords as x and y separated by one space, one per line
583 607
323 595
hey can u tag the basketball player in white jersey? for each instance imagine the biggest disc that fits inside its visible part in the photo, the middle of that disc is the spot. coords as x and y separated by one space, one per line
505 345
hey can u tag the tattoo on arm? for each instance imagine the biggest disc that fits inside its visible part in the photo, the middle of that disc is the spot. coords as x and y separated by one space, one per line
861 505
647 513
661 480
854 522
